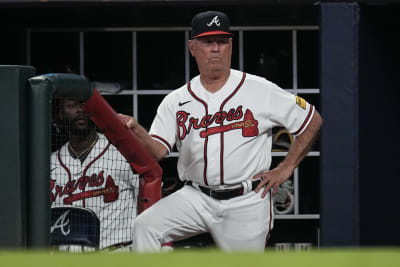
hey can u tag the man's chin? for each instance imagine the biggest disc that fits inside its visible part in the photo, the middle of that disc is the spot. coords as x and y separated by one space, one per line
82 127
82 124
216 63
217 68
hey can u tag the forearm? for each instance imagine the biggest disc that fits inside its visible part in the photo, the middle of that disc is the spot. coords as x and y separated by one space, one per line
154 147
302 144
298 150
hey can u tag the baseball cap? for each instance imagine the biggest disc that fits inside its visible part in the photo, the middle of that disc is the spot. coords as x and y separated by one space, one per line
210 23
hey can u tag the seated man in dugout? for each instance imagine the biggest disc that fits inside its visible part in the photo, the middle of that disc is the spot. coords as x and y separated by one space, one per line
89 173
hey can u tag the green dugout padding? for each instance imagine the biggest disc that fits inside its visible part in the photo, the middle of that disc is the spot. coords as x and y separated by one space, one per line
13 149
39 117
41 90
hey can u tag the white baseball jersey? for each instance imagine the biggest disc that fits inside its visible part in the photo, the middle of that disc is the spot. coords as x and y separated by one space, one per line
104 183
226 137
223 138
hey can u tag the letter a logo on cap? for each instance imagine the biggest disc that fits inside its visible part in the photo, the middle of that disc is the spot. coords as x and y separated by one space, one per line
214 20
210 23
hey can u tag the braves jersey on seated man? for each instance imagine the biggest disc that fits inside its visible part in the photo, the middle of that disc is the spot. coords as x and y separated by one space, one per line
104 183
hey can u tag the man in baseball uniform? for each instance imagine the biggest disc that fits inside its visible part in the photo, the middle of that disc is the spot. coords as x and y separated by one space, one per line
221 123
89 172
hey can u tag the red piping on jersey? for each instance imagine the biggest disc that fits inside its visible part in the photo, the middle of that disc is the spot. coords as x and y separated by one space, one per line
63 165
162 140
222 134
206 138
96 158
305 121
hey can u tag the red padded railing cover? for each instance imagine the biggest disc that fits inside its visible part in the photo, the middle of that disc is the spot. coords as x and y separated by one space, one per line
127 144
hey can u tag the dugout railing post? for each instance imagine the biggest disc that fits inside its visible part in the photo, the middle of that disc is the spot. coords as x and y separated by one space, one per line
340 225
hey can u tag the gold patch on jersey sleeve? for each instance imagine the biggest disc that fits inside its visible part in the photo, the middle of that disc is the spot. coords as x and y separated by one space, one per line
301 102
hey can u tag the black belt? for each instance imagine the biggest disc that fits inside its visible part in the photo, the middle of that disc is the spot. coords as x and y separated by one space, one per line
118 246
225 193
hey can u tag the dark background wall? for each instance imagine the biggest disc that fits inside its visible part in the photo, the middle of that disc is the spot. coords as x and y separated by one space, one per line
379 125
16 18
359 97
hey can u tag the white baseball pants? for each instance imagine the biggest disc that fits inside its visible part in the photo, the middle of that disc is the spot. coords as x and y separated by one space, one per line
237 224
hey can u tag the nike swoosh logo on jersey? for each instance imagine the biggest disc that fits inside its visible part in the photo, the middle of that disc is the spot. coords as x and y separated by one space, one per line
183 103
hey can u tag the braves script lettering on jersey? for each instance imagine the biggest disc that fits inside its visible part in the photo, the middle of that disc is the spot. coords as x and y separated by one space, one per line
214 131
224 139
104 183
